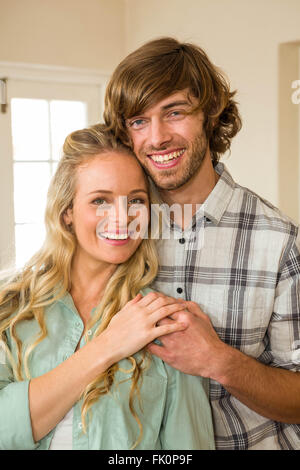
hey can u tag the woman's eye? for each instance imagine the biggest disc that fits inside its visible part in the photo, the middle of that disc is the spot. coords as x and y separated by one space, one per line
98 201
137 201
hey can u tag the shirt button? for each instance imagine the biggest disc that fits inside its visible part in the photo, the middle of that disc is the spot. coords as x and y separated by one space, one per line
89 332
79 425
179 290
182 240
77 323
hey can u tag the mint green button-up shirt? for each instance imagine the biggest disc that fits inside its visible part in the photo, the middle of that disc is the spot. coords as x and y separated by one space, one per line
175 407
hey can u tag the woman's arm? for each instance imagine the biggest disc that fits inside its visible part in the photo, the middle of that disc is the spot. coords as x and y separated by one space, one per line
53 394
15 425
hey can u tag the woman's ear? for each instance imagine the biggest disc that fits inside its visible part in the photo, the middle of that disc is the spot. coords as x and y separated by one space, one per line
68 216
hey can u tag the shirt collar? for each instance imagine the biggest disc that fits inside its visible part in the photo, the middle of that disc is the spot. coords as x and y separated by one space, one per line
217 201
67 300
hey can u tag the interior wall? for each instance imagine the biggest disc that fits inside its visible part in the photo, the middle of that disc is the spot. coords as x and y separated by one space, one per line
79 34
288 130
71 33
242 38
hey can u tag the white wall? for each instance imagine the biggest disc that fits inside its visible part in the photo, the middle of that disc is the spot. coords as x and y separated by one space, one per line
76 33
242 37
81 34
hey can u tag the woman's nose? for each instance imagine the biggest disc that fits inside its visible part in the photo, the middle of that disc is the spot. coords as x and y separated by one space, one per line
119 215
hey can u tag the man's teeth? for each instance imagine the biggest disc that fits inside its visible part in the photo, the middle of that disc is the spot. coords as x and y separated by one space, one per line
115 236
167 157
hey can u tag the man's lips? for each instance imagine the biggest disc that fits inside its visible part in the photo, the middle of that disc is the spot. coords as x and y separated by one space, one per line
165 152
166 158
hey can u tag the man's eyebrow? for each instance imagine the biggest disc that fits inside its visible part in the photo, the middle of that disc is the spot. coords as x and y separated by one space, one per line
104 191
176 103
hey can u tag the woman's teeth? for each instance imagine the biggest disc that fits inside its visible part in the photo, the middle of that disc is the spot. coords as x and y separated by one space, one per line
167 157
115 236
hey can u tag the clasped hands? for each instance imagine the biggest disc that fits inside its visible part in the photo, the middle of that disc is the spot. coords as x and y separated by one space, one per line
188 340
194 350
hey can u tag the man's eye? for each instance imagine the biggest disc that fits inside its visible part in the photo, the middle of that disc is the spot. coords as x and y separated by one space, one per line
137 123
175 114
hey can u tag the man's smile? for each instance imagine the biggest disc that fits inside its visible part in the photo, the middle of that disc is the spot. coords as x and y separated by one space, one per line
166 159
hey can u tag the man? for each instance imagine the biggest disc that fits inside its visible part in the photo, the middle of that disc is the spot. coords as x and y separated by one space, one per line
174 108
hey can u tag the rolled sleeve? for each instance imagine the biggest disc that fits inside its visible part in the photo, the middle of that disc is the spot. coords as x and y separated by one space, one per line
15 422
284 329
187 422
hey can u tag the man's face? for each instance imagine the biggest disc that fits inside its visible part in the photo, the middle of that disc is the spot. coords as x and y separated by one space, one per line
169 143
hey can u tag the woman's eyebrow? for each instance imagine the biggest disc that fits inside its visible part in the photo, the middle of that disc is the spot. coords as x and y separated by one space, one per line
101 191
138 191
111 192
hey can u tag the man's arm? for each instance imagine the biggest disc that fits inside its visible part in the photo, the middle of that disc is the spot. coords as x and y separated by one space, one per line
270 391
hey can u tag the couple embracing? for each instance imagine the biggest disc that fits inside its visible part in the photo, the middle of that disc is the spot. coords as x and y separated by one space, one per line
114 339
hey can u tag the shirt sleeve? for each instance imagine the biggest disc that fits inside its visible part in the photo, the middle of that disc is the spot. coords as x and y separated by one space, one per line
15 422
187 422
283 349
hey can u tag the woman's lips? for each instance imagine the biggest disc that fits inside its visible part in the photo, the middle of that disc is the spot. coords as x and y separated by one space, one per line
115 241
111 241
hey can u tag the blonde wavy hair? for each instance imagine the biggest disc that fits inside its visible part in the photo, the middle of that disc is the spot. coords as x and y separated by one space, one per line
47 276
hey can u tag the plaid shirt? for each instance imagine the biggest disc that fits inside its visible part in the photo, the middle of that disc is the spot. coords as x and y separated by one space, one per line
245 274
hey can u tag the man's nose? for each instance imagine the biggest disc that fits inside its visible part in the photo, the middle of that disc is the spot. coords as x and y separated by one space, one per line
160 134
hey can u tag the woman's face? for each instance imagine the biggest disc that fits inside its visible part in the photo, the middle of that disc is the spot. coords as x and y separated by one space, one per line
110 209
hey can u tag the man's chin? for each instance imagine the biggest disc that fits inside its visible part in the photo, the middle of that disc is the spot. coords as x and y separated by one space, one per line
167 185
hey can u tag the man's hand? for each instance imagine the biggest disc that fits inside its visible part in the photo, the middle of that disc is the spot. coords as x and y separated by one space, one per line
197 350
269 391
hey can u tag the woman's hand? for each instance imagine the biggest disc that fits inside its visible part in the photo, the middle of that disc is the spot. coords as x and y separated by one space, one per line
135 325
129 331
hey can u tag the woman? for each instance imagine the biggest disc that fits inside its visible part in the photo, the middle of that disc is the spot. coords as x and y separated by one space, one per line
75 321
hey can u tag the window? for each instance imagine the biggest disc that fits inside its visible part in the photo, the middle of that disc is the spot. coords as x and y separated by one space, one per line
43 107
39 128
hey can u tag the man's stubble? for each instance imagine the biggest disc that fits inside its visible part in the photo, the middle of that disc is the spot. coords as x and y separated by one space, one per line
191 166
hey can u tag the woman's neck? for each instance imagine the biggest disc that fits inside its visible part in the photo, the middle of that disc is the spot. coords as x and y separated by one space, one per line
88 281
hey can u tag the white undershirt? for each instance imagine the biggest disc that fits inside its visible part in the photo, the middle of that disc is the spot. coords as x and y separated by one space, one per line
62 437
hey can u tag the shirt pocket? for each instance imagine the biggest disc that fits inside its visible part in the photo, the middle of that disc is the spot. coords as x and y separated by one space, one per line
239 316
256 318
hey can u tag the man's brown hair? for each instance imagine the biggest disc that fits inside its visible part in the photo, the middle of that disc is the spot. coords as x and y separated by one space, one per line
162 67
